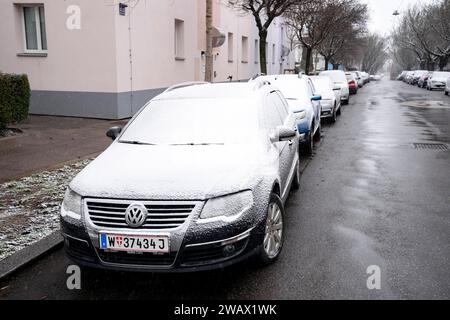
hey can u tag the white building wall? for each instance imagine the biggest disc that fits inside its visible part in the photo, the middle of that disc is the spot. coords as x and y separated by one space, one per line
113 64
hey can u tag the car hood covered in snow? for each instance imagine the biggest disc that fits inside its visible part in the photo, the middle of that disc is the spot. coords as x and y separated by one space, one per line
143 172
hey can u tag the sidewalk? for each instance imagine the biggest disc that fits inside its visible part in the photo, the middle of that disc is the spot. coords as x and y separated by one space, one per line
48 142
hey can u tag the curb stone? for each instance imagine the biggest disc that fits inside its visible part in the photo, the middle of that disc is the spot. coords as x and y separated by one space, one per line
29 254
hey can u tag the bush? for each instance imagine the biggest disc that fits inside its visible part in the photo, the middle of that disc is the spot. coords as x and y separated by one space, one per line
14 98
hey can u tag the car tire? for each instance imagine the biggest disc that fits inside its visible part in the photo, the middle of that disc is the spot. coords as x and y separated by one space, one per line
446 93
339 111
346 102
318 134
333 118
275 216
308 147
296 180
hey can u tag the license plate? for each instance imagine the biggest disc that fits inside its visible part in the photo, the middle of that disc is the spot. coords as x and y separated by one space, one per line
134 243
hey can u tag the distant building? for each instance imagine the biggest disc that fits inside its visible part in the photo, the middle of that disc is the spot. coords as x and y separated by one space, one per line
105 59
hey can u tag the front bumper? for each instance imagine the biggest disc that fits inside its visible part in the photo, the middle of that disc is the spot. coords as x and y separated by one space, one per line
437 86
194 246
327 109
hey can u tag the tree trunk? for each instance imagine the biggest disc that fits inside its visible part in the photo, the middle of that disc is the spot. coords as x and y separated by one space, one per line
327 61
262 51
308 60
209 47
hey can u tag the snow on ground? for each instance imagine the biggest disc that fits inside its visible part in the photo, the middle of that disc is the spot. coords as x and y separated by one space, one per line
29 207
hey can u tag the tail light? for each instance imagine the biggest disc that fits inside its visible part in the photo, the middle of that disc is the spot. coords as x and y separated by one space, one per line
352 83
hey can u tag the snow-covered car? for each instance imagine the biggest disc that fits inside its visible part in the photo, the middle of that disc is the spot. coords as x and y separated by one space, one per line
423 79
417 75
331 97
305 103
352 82
197 180
339 79
438 80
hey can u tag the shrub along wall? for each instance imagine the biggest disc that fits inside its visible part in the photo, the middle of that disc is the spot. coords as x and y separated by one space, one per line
14 98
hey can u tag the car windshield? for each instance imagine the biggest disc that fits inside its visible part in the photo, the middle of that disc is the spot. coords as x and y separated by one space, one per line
322 84
440 74
336 76
194 122
293 89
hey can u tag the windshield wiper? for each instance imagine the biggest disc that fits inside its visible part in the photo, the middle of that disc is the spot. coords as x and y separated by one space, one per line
137 143
197 144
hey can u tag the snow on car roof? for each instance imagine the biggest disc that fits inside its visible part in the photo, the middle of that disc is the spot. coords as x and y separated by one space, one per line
210 91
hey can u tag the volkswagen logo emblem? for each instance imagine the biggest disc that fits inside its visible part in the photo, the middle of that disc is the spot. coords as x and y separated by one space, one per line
136 215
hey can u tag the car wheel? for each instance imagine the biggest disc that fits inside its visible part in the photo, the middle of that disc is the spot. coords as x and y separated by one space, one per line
274 231
334 116
339 111
309 145
318 134
296 180
346 102
446 93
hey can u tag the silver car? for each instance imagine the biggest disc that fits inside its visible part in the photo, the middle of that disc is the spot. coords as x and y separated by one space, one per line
196 180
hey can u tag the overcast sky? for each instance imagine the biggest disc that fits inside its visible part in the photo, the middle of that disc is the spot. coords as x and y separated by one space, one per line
381 18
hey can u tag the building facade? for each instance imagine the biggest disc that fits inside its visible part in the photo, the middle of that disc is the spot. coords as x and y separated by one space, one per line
106 59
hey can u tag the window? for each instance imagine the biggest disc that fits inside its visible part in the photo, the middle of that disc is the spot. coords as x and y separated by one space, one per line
244 49
256 51
179 39
273 54
274 118
35 37
230 47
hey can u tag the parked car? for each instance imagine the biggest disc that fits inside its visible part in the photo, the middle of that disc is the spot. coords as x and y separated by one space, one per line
196 180
417 75
304 102
447 87
339 79
331 97
438 80
366 77
359 78
408 76
423 79
402 75
352 83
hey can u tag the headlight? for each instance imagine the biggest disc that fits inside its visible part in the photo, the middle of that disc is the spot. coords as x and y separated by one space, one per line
71 206
228 207
301 114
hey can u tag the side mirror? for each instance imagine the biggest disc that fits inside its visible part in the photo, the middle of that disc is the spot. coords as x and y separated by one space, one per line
316 98
114 132
283 134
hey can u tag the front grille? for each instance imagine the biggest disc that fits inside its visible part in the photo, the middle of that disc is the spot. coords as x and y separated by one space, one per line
137 259
161 215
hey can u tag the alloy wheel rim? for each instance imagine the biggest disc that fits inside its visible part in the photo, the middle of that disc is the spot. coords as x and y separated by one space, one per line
273 238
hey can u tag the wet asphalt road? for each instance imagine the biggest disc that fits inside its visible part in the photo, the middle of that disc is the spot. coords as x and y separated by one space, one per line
367 197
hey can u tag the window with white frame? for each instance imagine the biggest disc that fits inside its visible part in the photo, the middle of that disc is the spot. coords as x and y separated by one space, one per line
179 39
273 53
244 49
256 51
35 36
230 47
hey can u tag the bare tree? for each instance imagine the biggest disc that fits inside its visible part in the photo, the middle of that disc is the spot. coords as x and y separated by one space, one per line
317 24
351 19
375 54
264 12
209 41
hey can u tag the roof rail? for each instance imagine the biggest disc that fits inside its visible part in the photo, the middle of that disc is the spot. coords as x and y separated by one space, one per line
184 85
259 83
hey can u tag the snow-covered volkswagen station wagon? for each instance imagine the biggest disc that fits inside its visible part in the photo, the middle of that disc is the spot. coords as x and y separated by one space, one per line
196 180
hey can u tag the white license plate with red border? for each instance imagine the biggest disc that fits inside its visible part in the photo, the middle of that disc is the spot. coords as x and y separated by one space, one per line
134 243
